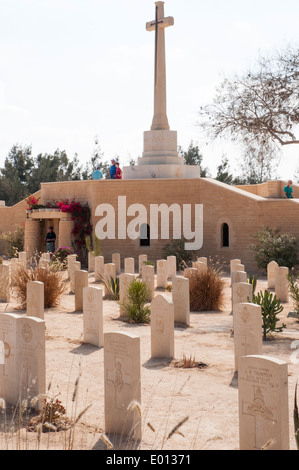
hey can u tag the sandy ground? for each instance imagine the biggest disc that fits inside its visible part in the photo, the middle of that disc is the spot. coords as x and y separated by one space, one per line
206 399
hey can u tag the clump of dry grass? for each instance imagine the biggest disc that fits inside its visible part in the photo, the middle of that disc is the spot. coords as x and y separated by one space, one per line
52 279
206 289
189 363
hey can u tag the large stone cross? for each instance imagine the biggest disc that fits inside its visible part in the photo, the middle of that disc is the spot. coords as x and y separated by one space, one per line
160 120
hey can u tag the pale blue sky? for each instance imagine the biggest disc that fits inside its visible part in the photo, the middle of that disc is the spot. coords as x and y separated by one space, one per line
74 69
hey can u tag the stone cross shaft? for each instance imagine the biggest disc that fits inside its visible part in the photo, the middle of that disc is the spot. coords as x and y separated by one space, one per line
160 120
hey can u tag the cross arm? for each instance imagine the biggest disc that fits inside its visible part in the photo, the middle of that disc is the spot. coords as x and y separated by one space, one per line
163 23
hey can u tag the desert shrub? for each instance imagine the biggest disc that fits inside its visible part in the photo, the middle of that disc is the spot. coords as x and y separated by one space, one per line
14 241
294 292
136 302
206 289
272 245
59 257
52 416
54 285
177 248
112 285
271 308
1 260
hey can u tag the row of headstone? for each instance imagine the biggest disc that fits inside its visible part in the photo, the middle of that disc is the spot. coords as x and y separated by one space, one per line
262 380
96 264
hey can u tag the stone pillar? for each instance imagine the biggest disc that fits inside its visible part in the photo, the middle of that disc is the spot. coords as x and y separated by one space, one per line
31 237
65 233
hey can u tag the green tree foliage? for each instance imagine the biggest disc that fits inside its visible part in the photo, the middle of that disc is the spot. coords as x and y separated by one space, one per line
16 174
271 308
193 157
272 245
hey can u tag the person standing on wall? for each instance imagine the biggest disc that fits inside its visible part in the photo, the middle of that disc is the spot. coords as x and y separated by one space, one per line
288 190
119 173
112 169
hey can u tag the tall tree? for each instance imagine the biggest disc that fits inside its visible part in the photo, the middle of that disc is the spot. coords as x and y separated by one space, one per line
16 174
96 161
259 107
192 156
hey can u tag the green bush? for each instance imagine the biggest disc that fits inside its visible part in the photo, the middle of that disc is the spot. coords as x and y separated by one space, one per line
177 248
136 301
271 307
272 245
112 285
14 241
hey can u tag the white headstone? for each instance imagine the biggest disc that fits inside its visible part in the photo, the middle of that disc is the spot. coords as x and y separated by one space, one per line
263 403
181 299
247 330
35 299
117 261
148 277
271 270
129 265
91 262
122 384
109 272
74 266
81 281
93 330
141 260
23 374
171 260
282 283
162 327
5 279
99 268
240 292
162 273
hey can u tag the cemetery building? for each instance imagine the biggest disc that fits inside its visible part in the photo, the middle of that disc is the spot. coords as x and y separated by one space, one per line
229 218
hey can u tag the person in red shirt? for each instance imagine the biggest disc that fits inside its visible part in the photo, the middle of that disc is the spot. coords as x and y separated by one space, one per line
119 173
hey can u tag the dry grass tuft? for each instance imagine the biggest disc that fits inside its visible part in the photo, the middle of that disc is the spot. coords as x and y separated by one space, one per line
189 363
52 279
206 289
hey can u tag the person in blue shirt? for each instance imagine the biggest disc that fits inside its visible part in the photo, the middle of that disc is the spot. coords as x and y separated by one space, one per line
112 169
97 174
288 191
